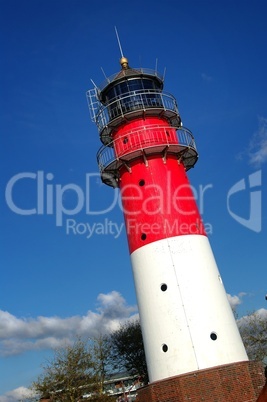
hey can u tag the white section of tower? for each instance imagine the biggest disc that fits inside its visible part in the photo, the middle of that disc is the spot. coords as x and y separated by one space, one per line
187 322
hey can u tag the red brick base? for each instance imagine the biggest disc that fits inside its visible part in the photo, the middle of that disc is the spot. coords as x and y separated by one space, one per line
238 382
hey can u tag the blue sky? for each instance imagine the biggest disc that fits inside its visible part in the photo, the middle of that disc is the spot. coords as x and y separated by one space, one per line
55 283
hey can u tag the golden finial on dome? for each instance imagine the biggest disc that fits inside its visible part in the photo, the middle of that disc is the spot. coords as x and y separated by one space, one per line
124 63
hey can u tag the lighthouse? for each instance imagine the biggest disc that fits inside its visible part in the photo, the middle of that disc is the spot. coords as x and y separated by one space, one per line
187 323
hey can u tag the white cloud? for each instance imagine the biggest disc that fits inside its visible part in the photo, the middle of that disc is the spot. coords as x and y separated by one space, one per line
260 314
19 335
257 150
16 395
235 300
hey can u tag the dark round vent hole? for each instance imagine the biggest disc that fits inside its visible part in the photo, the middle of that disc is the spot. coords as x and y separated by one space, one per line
141 182
164 348
213 336
163 287
143 236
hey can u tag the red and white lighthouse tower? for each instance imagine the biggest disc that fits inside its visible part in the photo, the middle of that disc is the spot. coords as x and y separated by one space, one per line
186 320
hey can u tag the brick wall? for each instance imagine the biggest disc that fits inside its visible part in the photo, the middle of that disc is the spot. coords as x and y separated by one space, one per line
238 382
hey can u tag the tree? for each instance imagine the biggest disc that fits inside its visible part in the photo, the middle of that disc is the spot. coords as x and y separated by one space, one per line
72 373
102 351
127 349
253 330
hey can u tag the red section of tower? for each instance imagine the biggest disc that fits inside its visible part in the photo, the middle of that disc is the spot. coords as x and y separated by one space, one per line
157 198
